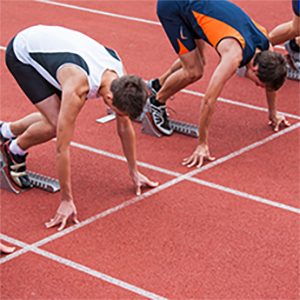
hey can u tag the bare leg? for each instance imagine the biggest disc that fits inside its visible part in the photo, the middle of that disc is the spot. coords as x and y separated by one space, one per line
6 249
18 127
176 66
41 127
285 31
190 71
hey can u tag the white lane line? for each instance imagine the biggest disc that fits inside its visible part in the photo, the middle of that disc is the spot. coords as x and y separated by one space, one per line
84 269
228 101
122 158
161 188
245 195
203 168
99 275
99 12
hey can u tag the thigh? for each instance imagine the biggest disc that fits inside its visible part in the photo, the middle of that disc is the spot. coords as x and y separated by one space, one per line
35 87
192 62
49 109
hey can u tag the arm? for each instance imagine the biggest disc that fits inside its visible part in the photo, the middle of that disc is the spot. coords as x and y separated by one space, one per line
74 89
127 136
275 119
231 56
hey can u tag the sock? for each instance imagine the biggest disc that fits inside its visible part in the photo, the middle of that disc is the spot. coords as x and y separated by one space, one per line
156 84
15 149
294 45
6 132
155 102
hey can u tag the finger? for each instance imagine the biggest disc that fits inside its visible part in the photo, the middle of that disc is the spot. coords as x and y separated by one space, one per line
276 127
53 222
75 220
211 158
152 183
200 162
287 123
193 162
186 161
63 223
138 190
6 249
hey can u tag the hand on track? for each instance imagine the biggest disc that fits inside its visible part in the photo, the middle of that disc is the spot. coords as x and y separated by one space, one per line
66 209
140 180
277 121
197 158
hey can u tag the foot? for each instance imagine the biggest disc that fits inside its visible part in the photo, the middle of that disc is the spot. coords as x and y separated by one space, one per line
17 167
160 117
294 57
153 86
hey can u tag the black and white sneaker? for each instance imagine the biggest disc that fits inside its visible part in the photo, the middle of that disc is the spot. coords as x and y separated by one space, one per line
153 86
294 57
17 167
160 117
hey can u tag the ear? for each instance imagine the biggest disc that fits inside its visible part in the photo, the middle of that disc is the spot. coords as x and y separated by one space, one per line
255 69
109 96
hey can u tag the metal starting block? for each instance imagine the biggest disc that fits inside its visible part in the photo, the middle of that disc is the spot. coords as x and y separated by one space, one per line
43 182
292 74
148 126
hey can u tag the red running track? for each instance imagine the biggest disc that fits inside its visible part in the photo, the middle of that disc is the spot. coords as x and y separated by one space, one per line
229 230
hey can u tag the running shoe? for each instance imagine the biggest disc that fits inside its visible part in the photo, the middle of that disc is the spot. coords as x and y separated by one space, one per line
17 167
153 86
2 138
160 117
294 56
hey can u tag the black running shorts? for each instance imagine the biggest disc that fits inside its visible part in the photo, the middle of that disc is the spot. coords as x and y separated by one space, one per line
35 86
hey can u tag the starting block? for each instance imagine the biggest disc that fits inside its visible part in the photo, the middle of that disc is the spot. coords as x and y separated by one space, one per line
292 74
43 182
148 126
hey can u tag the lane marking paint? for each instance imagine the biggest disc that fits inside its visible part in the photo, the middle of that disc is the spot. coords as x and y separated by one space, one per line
99 12
87 270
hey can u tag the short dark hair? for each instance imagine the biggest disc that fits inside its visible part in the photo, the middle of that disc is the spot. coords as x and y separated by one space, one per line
129 95
272 69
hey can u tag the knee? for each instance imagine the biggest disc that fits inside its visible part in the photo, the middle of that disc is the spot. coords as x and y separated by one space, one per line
194 75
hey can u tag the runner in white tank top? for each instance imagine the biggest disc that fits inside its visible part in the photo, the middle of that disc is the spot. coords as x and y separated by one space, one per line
58 69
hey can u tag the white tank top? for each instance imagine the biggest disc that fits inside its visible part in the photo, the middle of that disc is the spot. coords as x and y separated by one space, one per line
47 48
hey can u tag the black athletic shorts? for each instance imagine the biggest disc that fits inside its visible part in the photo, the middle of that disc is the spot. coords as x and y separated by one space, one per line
33 84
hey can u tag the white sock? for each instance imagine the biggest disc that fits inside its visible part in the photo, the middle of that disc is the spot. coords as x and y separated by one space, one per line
15 149
6 132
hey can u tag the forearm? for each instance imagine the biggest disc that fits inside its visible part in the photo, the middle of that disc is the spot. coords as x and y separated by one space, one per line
127 136
206 114
64 173
272 104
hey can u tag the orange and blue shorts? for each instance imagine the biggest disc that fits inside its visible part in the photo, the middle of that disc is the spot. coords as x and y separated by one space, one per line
296 7
184 21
